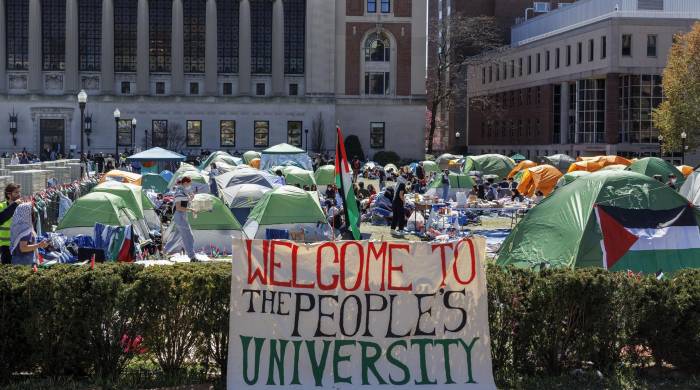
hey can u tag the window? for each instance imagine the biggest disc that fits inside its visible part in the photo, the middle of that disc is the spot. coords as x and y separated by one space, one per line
529 64
160 25
538 63
194 14
386 6
520 66
483 75
124 36
371 6
227 36
228 89
194 88
294 36
293 89
512 69
261 134
17 30
639 96
227 133
126 87
260 89
261 37
376 135
124 131
546 61
556 58
90 35
377 83
579 52
53 34
591 50
603 47
556 114
627 45
505 71
538 95
651 45
160 88
490 74
377 48
194 133
590 111
294 133
159 133
498 72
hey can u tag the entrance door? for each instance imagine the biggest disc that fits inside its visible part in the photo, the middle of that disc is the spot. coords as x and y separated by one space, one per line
52 137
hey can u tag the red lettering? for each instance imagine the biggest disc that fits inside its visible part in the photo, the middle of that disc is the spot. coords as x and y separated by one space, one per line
274 265
295 260
319 274
343 275
257 273
443 259
393 268
372 251
473 262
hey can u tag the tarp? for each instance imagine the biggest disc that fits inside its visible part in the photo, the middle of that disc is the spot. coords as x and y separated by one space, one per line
325 175
522 165
250 155
490 164
518 157
540 178
686 170
129 193
562 231
156 154
283 154
247 176
154 182
652 166
298 177
97 207
561 161
569 178
122 176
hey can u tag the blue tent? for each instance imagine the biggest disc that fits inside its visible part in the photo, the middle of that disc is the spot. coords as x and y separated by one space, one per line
167 175
156 154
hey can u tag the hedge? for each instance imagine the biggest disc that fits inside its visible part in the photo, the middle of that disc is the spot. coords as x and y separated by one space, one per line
76 322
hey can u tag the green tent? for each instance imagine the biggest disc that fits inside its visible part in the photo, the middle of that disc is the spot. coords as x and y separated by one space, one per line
250 155
295 176
560 161
283 208
154 182
187 170
325 175
570 177
518 157
651 166
562 231
459 182
219 218
430 166
489 164
132 195
219 157
97 207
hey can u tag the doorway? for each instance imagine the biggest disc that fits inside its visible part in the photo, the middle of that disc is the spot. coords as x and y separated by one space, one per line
52 137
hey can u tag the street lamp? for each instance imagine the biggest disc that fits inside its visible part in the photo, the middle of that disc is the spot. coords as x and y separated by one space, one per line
457 136
145 139
13 127
683 137
133 132
82 101
117 114
661 140
88 128
306 142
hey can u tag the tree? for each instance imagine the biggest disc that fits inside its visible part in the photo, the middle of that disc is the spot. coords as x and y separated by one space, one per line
680 111
177 140
318 136
456 42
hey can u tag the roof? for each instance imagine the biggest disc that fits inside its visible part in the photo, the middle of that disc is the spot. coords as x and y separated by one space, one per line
283 148
156 154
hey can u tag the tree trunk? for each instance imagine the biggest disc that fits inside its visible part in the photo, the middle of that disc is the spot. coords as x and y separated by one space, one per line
433 125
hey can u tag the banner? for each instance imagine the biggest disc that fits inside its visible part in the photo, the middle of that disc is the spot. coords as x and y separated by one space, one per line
359 315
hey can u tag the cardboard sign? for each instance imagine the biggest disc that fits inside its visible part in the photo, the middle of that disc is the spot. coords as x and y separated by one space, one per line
359 315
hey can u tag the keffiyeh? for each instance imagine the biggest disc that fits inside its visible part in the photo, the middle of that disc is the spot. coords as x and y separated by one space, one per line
21 225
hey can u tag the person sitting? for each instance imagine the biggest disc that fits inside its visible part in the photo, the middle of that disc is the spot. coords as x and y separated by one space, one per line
491 192
538 197
280 177
370 189
362 190
517 196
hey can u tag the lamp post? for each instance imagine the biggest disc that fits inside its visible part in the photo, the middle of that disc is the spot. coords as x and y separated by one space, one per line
306 141
145 139
683 137
457 136
88 128
661 140
13 127
133 133
117 114
82 101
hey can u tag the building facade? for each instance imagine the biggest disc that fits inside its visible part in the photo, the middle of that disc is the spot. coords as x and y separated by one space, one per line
582 80
213 74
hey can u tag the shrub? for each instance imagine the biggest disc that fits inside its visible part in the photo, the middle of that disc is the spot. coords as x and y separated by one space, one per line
386 156
353 148
13 314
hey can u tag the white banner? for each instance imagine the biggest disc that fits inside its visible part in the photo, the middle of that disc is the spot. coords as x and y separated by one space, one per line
359 315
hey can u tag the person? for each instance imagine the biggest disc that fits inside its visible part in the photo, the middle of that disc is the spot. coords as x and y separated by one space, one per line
517 196
363 191
7 210
213 173
370 189
399 213
355 168
110 165
182 225
445 180
14 160
23 245
420 171
100 162
491 191
512 185
672 181
280 177
539 195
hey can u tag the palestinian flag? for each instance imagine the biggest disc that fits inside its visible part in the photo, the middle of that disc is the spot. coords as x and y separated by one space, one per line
343 180
649 241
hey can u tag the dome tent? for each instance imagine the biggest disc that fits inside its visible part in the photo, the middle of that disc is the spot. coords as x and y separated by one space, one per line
592 164
241 199
562 231
458 183
489 164
287 208
250 156
540 178
686 170
154 182
691 188
652 166
518 158
199 181
521 166
298 177
430 166
122 177
325 175
130 194
561 161
247 176
443 161
219 157
283 154
569 178
97 207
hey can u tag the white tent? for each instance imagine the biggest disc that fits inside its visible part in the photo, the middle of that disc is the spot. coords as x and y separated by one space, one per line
691 188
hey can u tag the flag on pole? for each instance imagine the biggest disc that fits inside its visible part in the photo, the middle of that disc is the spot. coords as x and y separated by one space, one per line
343 180
92 262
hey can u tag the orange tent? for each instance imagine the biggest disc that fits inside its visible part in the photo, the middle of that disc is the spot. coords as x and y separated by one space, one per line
521 165
542 177
255 163
592 164
122 177
685 169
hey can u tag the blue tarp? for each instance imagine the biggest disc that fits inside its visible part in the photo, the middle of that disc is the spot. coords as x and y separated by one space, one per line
156 154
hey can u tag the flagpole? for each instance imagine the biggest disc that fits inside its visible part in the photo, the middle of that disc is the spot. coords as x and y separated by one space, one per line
342 187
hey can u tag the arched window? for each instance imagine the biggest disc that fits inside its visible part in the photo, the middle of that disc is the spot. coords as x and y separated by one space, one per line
377 48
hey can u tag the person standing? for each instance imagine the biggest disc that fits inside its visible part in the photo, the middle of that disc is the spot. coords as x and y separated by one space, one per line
23 245
399 213
182 224
445 180
7 210
213 173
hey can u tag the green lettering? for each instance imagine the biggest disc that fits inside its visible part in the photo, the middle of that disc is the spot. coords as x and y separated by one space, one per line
276 359
446 357
424 380
245 341
316 366
295 375
468 350
337 358
396 362
368 362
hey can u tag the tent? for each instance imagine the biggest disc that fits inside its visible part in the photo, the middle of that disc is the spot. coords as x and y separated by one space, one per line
391 168
212 230
130 194
283 154
122 176
325 175
219 157
518 157
614 167
154 182
200 182
686 170
430 166
156 154
569 178
167 175
298 177
490 164
522 165
592 164
561 161
96 207
247 176
287 208
540 178
652 166
241 198
459 182
444 159
562 231
255 163
691 188
250 155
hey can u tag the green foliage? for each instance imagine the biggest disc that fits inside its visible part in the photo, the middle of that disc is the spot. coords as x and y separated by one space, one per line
386 156
353 148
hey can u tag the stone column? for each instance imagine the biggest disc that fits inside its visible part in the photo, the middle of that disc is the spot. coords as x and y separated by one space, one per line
3 49
107 60
178 50
71 75
244 48
210 51
142 53
35 82
564 114
278 48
